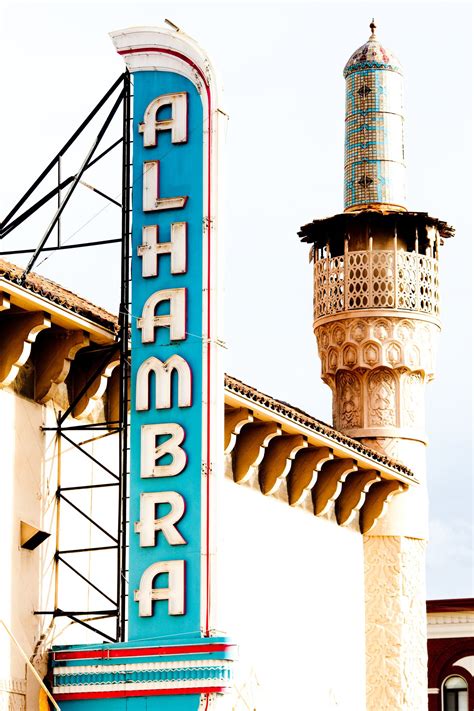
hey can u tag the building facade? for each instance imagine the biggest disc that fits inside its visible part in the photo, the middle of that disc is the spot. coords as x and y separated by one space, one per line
450 654
283 567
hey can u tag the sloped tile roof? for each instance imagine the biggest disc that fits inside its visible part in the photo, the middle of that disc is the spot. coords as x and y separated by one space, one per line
58 295
302 418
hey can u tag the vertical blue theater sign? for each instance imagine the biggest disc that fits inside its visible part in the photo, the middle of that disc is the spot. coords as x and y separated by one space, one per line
176 398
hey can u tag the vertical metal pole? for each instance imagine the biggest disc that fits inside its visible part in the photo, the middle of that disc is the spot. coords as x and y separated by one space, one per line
59 199
124 322
58 518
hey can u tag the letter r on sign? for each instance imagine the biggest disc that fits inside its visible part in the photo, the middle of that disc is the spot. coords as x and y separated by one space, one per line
148 525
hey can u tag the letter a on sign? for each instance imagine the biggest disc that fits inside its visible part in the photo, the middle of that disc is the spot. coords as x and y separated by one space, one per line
175 320
178 123
174 593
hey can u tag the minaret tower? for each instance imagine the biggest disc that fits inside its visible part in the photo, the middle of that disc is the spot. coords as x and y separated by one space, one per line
376 321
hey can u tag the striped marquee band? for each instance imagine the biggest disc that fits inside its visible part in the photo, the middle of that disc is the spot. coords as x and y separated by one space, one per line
104 672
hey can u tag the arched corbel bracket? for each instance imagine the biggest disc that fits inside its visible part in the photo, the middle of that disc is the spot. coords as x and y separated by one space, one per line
113 398
304 472
277 461
376 502
55 352
329 483
19 332
234 420
86 373
4 301
353 494
250 448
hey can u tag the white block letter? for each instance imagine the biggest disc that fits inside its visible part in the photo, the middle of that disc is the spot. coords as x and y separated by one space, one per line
151 249
174 593
151 190
151 452
178 123
148 524
163 372
175 320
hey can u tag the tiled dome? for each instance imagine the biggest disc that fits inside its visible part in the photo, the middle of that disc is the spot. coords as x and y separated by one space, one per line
372 56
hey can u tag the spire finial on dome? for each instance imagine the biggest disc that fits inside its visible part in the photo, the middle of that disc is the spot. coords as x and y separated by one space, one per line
372 28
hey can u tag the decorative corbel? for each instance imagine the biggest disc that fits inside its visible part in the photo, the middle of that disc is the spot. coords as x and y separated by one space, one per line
4 301
19 332
54 354
329 483
304 472
234 420
376 502
250 448
277 461
353 494
86 374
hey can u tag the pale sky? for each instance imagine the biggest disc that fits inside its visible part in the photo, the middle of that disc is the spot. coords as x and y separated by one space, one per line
281 68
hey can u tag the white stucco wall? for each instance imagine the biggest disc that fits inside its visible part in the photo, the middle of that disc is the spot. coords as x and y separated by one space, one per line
289 589
290 592
28 484
21 494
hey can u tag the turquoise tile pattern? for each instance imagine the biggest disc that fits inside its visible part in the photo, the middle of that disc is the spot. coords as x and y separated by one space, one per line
374 168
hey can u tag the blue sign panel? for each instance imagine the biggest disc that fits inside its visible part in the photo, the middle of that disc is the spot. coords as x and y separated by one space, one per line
174 170
176 398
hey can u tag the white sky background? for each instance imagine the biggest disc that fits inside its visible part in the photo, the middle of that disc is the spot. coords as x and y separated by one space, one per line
281 68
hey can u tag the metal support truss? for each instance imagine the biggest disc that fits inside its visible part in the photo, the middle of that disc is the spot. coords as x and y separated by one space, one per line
120 96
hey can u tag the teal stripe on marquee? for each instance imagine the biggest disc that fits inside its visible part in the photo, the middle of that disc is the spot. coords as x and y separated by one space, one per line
214 673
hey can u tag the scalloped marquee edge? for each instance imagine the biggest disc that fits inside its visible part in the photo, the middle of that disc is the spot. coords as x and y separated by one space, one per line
140 47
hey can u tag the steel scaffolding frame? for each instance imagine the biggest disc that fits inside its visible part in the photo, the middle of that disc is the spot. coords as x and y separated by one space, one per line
121 93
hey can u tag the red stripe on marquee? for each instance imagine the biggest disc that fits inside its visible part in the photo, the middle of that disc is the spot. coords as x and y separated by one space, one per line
174 53
141 651
139 692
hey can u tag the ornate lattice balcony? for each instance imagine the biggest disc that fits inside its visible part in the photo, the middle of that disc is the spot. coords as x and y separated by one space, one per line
379 279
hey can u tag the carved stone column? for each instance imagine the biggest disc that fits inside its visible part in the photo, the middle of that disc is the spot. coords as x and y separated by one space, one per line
395 623
376 321
377 368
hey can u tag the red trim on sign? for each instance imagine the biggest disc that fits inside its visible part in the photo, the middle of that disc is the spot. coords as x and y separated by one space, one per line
165 50
102 653
174 53
139 692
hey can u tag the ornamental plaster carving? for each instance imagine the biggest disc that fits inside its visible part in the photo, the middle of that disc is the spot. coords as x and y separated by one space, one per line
412 399
349 399
395 623
358 331
12 701
382 398
377 369
394 343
